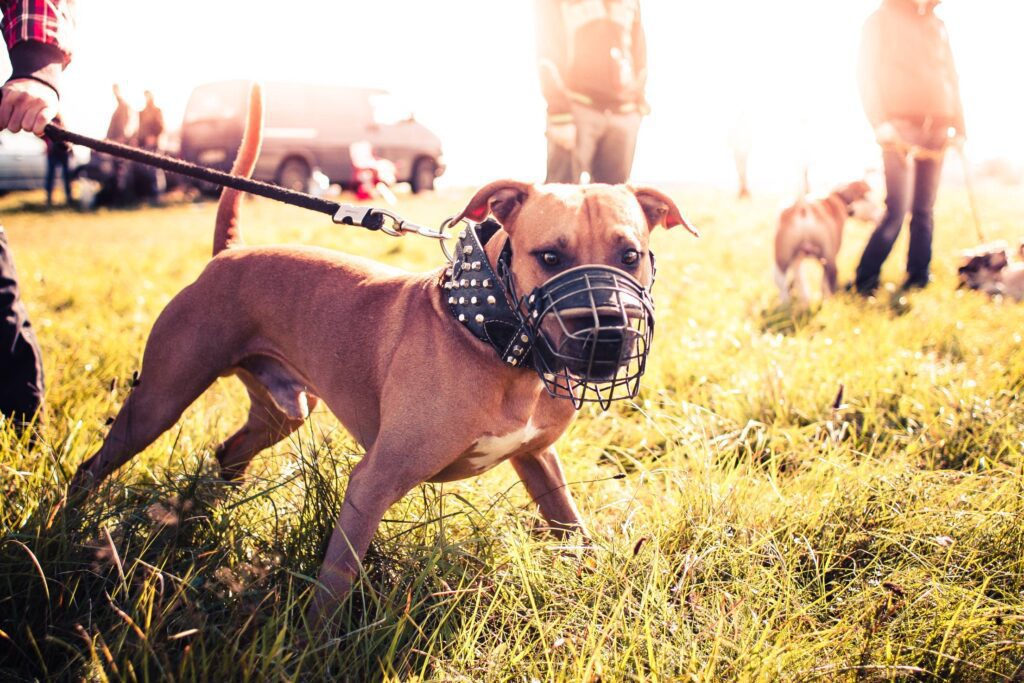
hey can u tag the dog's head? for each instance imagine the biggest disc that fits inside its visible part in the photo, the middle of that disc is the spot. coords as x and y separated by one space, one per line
859 201
581 266
981 268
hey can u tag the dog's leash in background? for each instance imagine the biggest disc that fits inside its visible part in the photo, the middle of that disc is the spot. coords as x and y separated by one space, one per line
367 217
919 152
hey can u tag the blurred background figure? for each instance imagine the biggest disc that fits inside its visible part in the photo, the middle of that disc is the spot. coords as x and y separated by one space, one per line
148 182
593 68
58 156
911 94
741 140
151 124
37 35
121 119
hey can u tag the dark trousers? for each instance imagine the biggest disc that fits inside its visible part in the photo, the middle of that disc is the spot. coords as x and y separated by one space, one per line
52 164
911 184
21 365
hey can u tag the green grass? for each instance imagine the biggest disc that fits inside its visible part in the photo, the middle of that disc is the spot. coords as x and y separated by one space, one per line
748 526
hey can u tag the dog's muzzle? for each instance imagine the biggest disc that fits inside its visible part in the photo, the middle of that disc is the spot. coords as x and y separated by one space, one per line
591 329
586 331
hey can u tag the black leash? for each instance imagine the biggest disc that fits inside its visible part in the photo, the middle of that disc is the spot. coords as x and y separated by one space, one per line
346 214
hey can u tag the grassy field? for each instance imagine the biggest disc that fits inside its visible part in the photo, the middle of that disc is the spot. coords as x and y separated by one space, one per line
750 523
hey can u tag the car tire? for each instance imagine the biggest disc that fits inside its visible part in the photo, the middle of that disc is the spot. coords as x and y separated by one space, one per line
294 174
424 171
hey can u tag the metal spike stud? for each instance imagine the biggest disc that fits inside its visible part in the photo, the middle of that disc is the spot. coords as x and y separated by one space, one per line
491 300
462 300
472 283
518 350
487 283
479 317
524 339
451 299
467 250
473 300
476 265
462 317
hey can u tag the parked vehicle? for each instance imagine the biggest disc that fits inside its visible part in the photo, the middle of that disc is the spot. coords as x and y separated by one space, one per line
310 128
23 161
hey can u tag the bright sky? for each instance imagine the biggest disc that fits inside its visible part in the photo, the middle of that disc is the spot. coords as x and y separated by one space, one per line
468 69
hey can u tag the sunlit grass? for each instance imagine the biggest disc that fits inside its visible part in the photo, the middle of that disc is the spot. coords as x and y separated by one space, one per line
834 494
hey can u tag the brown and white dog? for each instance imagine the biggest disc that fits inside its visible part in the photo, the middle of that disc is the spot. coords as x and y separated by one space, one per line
383 351
814 229
989 269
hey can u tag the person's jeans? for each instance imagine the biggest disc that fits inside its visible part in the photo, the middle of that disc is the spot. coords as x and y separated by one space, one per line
21 364
605 145
911 184
51 172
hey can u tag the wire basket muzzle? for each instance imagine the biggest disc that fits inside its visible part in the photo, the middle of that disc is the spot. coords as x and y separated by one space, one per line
593 327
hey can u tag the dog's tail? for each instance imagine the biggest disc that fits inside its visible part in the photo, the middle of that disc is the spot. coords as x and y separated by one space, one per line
228 233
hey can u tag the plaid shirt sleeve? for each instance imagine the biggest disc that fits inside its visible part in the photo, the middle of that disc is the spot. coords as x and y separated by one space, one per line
45 21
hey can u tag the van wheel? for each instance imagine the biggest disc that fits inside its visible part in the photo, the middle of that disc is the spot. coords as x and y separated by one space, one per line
424 171
294 174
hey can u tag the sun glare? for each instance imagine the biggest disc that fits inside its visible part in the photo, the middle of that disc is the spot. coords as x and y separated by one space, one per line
784 70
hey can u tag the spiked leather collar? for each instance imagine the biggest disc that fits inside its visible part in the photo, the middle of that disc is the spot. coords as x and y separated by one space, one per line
479 300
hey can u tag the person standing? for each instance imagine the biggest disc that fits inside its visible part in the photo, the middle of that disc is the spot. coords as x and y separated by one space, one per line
37 34
58 157
911 95
151 124
121 120
592 58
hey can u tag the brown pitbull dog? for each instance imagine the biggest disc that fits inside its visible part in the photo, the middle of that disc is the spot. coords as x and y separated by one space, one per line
385 351
814 229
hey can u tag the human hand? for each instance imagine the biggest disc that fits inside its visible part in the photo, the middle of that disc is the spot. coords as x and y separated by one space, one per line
26 104
563 135
885 133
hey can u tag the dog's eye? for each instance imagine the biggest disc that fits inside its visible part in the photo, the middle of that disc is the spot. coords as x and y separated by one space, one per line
631 257
550 258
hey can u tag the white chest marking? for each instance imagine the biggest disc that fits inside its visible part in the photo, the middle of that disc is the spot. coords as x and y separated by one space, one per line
489 450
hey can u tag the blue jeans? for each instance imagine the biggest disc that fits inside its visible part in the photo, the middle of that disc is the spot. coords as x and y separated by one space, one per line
911 184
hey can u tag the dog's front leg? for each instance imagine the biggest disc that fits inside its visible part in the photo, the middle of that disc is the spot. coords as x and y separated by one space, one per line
380 479
542 474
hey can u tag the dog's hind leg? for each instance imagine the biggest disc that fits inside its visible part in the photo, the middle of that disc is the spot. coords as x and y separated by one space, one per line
268 424
830 279
177 366
782 282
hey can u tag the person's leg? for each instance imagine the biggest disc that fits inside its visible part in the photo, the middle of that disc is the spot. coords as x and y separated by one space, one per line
590 128
897 172
21 365
51 168
65 172
613 159
560 165
922 221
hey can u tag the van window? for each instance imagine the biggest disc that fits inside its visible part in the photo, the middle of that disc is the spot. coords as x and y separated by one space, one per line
218 101
388 110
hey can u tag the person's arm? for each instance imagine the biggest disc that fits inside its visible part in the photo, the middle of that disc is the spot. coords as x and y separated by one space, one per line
552 59
37 34
869 70
640 63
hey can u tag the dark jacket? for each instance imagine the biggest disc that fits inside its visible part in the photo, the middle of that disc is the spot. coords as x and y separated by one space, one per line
592 52
906 68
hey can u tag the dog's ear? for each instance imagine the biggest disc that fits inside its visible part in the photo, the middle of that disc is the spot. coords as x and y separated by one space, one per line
501 199
660 210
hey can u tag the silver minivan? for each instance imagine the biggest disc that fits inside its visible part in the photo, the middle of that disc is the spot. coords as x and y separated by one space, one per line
310 128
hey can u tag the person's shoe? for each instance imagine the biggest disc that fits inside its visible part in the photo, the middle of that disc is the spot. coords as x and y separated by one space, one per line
915 282
860 289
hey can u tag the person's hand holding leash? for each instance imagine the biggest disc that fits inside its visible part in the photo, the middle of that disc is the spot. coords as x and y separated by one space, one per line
563 134
27 104
886 134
